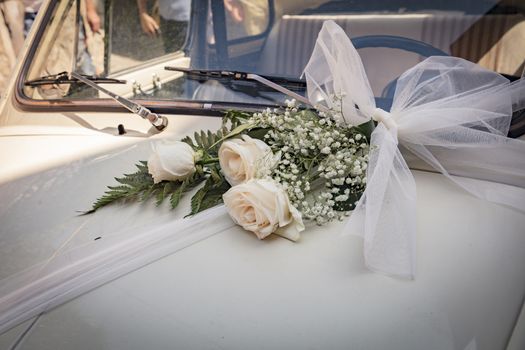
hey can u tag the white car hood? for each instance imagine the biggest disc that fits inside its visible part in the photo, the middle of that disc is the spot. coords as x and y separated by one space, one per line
232 291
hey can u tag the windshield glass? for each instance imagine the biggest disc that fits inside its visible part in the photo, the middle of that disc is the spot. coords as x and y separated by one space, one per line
136 40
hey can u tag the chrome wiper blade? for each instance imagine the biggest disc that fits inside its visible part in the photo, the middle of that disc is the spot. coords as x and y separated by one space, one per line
272 82
159 122
66 78
200 74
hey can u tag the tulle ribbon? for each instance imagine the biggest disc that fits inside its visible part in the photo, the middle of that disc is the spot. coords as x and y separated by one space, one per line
449 112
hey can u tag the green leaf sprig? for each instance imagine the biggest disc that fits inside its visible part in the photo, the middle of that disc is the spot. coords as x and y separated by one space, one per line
139 186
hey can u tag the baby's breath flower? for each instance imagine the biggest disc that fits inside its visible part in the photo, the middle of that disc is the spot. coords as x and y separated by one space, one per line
321 150
326 150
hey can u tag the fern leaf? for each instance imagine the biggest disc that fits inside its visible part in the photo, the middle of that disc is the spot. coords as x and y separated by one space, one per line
147 193
204 140
198 140
208 195
211 138
215 175
159 198
197 198
122 188
214 196
169 188
177 195
189 141
142 166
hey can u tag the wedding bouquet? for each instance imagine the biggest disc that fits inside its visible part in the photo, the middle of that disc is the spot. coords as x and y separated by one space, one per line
276 169
273 169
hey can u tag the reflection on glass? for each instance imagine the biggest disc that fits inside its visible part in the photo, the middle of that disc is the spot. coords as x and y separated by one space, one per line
136 39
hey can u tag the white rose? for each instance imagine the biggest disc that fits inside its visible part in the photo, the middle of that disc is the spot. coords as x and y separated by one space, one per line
238 158
171 160
263 207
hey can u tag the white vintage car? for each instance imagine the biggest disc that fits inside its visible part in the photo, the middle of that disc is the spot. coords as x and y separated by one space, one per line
62 141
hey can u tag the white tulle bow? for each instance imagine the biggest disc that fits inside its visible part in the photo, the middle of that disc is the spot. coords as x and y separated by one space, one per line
382 116
449 112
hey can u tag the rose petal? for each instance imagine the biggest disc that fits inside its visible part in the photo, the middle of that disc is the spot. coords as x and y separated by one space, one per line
239 157
171 160
262 207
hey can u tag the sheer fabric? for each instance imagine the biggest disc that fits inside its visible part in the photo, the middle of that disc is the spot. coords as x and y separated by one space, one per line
73 271
442 106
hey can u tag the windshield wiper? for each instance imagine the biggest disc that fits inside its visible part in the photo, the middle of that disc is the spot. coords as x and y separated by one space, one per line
159 122
66 78
272 82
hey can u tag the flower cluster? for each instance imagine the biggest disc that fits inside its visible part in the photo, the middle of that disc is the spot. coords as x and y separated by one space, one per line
256 203
323 160
272 170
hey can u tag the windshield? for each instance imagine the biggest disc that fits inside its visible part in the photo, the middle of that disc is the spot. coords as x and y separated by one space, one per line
135 41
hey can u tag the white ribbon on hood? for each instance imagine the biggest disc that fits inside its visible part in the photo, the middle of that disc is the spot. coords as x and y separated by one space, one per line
451 113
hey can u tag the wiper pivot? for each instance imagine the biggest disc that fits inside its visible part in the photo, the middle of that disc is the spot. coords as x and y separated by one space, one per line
159 122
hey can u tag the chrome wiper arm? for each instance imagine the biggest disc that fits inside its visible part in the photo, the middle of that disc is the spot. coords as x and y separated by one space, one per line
65 78
159 122
285 91
272 82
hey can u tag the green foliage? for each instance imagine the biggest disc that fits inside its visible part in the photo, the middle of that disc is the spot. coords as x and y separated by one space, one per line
207 141
139 186
166 190
235 119
300 137
308 114
258 133
211 193
366 128
350 203
177 195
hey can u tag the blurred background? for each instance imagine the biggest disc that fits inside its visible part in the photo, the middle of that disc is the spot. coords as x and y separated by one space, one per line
17 17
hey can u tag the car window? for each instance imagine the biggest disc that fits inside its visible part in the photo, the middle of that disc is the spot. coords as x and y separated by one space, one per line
136 40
